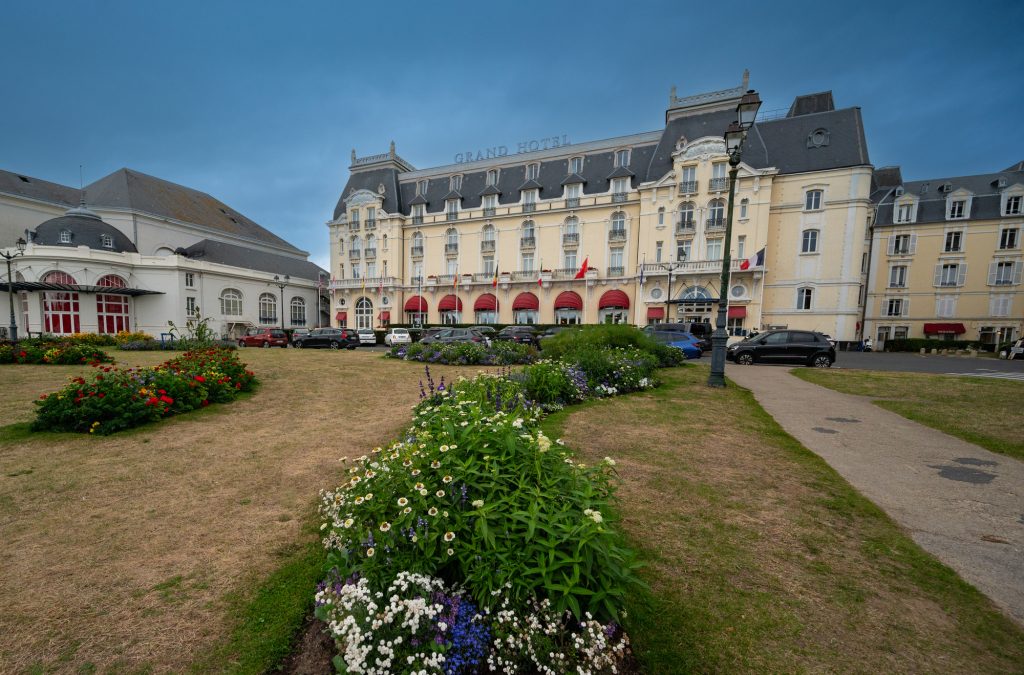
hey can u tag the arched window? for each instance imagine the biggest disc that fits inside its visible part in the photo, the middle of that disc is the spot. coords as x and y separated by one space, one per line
487 234
371 246
355 244
268 308
716 212
112 310
809 241
571 226
364 313
619 221
384 242
529 231
231 302
298 311
60 308
686 215
804 298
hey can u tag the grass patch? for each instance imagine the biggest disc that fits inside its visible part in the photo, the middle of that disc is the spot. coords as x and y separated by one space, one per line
761 558
982 411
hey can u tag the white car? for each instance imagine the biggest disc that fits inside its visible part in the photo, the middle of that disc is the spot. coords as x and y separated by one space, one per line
367 336
398 336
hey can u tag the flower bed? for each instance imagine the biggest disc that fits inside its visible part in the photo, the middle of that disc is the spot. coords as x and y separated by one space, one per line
499 353
477 544
115 399
52 353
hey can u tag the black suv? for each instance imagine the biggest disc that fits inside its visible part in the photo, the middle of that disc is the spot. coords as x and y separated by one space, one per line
524 335
332 338
784 346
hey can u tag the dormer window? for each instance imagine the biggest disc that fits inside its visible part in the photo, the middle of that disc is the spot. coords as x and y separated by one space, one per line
576 165
106 241
957 208
532 171
1013 205
65 236
455 182
904 213
622 158
421 187
492 177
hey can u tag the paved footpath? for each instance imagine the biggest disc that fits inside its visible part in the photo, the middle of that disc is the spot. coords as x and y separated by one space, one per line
961 503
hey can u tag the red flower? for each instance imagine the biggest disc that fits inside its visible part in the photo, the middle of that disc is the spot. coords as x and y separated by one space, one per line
200 378
22 354
161 391
204 403
153 400
43 397
101 394
167 399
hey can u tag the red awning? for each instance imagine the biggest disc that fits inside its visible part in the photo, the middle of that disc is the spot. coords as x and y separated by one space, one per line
616 299
341 316
385 316
568 300
939 328
449 303
486 302
415 304
526 301
655 312
737 312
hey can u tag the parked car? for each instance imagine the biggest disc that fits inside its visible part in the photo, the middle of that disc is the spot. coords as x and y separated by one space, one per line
367 336
298 333
784 346
331 338
264 337
688 343
699 329
524 335
430 332
552 332
449 335
397 336
488 332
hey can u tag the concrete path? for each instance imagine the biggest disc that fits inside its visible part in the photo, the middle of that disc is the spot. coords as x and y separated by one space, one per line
961 503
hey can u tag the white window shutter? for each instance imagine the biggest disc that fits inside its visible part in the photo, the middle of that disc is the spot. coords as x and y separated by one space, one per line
938 275
992 267
1018 268
961 274
913 244
905 307
892 244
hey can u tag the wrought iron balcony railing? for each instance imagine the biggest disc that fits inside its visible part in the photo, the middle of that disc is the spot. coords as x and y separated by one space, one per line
528 242
715 223
619 197
688 187
718 184
417 251
617 235
570 239
616 271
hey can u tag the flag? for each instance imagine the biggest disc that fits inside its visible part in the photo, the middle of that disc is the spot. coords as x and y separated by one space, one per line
642 274
583 268
455 280
494 281
756 260
362 285
380 288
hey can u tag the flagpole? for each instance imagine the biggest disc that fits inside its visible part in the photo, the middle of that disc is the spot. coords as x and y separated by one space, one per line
636 302
760 307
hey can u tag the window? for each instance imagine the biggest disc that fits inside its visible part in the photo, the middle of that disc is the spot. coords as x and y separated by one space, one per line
527 262
883 334
190 280
1004 273
900 332
812 201
950 274
683 249
615 261
619 222
576 165
741 247
384 242
622 158
65 236
357 271
417 213
902 244
620 186
492 177
112 310
809 242
718 170
231 302
452 209
804 298
569 260
945 306
298 311
530 198
452 267
957 208
529 233
657 251
661 215
532 171
573 191
1013 205
898 276
354 217
455 182
490 202
268 308
744 204
421 187
488 265
191 309
364 313
106 241
525 317
417 243
688 179
895 306
714 249
999 304
904 213
1009 238
716 212
60 309
953 241
371 270
487 233
355 245
686 210
417 270
451 237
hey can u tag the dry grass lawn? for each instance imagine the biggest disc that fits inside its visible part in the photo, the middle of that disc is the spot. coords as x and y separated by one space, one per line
118 551
762 559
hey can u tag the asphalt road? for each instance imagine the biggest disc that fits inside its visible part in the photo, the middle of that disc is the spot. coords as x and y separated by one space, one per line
931 363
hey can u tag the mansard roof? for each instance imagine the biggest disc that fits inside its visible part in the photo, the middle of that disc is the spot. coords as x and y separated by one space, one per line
86 229
984 188
223 253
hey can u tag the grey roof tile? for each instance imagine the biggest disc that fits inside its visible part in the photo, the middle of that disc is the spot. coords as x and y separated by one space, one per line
573 178
931 207
239 256
86 230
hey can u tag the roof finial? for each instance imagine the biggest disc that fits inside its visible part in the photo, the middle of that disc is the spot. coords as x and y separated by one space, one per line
353 155
672 96
392 151
746 79
81 188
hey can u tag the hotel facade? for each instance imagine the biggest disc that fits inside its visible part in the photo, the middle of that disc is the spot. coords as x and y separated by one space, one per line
504 239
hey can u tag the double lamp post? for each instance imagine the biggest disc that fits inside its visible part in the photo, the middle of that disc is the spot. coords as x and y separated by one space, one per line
281 283
18 250
746 112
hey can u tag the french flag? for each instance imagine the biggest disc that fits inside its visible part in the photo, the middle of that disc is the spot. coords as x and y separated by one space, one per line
756 260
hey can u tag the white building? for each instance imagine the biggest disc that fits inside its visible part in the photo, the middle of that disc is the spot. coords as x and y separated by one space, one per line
142 253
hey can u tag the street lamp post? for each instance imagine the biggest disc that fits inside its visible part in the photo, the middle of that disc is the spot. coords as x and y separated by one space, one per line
281 283
19 249
746 112
670 267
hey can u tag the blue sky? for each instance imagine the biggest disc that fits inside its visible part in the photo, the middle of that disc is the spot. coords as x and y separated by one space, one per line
260 103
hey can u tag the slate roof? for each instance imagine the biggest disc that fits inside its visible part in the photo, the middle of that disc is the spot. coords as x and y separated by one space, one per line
931 206
87 229
130 189
239 256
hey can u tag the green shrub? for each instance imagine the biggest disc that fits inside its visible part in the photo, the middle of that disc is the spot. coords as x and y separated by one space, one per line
609 335
52 353
554 383
466 353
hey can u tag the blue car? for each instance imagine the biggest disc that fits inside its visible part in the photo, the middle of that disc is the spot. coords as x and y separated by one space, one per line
690 345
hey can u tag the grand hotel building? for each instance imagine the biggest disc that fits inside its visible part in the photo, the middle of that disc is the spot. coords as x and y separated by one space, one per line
502 239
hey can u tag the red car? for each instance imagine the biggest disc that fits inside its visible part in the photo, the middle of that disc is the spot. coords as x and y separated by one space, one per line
264 337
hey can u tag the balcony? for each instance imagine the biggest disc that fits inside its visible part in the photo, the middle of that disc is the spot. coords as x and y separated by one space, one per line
417 251
353 254
451 215
572 203
617 235
528 242
483 276
688 187
525 275
451 249
417 220
445 279
619 197
566 273
616 271
353 226
369 282
371 224
715 223
685 226
489 211
691 267
718 184
369 253
530 207
487 246
570 240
